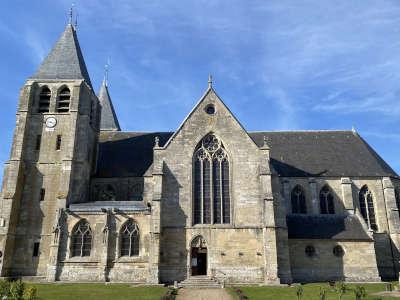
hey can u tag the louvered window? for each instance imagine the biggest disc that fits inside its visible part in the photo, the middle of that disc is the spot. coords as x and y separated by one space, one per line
211 183
64 98
367 209
44 100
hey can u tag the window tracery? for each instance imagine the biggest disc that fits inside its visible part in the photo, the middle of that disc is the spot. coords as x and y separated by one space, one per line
367 209
107 193
211 182
326 201
129 236
81 239
298 200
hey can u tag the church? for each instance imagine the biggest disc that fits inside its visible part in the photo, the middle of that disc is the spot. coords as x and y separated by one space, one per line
83 200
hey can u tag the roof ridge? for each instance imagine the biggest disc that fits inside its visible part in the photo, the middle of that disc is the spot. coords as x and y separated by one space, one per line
301 131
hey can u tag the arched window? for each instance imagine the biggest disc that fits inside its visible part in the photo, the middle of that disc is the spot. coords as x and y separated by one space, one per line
326 201
63 100
298 200
211 195
366 202
81 239
397 196
44 100
129 236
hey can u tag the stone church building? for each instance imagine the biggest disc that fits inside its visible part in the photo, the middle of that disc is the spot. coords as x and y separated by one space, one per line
82 200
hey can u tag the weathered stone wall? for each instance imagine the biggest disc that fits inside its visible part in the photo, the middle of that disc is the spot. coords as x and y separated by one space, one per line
357 264
105 262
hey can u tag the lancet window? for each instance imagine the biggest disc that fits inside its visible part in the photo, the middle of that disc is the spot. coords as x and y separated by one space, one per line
367 209
211 183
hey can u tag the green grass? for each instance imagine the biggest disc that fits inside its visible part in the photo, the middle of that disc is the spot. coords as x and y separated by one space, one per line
311 292
98 292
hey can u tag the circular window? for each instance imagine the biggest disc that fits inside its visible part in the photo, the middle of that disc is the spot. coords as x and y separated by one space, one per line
310 251
210 109
338 251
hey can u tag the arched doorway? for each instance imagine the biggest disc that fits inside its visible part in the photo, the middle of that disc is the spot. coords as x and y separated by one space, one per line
198 256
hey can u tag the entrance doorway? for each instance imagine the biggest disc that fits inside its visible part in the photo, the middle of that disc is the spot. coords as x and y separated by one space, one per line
198 257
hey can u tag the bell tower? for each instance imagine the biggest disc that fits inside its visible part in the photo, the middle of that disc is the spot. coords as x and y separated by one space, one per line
52 158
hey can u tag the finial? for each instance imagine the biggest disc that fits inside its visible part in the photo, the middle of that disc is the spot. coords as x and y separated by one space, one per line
353 129
265 143
210 81
156 142
106 68
71 13
76 21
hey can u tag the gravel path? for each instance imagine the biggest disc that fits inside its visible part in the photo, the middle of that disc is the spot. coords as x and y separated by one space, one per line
203 294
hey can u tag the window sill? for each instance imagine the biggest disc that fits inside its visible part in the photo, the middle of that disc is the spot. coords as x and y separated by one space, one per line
132 259
212 226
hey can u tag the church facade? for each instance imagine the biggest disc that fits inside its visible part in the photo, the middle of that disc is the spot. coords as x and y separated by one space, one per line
84 201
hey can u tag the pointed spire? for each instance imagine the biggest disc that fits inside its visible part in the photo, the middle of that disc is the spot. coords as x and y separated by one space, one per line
65 60
109 120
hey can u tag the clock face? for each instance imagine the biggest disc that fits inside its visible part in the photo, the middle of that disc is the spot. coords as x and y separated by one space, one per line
51 122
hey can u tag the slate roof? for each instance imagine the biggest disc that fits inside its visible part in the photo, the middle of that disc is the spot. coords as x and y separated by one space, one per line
322 153
109 120
293 154
334 227
127 154
65 60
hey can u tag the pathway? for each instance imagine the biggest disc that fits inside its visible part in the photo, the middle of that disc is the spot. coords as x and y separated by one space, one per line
203 294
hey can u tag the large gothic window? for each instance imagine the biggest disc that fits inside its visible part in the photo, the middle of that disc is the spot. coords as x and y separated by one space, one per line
81 239
366 202
129 236
211 203
298 200
326 201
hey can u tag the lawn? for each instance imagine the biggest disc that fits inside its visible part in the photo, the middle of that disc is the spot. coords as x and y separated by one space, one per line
98 292
311 292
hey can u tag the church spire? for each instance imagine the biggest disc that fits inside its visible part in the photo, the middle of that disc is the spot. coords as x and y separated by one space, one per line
65 60
109 120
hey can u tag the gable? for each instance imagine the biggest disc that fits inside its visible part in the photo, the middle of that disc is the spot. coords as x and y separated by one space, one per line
200 121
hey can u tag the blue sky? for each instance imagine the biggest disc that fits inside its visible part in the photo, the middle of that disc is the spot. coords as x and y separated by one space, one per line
278 65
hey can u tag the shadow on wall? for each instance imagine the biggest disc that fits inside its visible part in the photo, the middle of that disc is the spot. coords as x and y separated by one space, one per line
387 257
29 246
173 250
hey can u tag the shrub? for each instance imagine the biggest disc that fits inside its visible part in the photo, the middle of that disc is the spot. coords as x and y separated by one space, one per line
17 290
359 292
4 289
31 293
322 293
170 295
340 289
299 292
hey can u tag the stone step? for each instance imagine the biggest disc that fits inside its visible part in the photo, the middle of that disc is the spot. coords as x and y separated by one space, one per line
201 282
